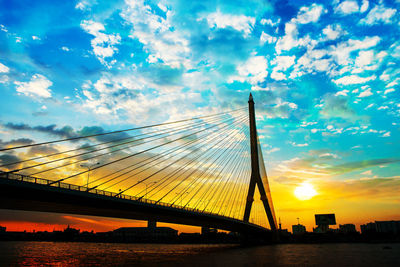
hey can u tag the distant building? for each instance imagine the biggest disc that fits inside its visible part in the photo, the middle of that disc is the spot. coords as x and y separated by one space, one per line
347 228
2 229
298 229
368 228
384 227
390 227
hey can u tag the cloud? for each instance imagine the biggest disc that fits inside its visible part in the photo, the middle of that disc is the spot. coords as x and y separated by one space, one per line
364 58
379 14
309 14
353 79
158 35
16 142
8 159
238 22
298 145
279 76
305 15
366 93
266 38
363 164
341 52
4 68
65 132
253 70
103 44
347 7
332 32
38 86
364 6
390 90
283 62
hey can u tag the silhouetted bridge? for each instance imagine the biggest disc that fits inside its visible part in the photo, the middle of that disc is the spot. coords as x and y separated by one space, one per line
205 164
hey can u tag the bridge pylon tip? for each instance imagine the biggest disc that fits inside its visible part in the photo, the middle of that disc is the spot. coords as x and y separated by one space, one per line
250 97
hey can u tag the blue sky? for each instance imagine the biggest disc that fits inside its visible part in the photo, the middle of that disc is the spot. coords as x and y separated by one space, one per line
325 77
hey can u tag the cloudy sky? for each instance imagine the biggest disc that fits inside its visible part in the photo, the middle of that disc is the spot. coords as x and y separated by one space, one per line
325 78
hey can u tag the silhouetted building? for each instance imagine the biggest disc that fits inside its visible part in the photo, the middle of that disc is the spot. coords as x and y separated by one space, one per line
383 227
298 229
2 229
368 228
347 228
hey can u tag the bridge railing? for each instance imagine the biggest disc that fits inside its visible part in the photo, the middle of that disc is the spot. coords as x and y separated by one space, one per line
41 181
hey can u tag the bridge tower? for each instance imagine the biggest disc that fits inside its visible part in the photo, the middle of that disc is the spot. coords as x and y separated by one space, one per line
257 173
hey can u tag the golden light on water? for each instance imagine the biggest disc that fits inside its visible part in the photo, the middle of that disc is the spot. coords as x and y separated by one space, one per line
305 191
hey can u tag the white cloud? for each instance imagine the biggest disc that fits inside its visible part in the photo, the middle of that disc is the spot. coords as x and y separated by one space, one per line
290 40
253 70
272 150
269 22
4 68
309 14
37 86
370 106
341 52
390 90
364 58
157 34
238 22
353 79
283 62
329 155
66 49
393 83
343 93
103 44
266 38
369 172
298 145
332 32
379 14
278 76
35 38
121 97
387 134
85 4
347 7
365 93
364 6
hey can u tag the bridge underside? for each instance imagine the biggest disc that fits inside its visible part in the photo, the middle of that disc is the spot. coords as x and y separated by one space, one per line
35 197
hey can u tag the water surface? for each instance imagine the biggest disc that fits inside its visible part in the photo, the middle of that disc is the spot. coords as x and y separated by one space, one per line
106 254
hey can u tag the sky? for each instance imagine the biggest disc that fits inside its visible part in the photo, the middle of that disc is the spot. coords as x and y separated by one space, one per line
324 75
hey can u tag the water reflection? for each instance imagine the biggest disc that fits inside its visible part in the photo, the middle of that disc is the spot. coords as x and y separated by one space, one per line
106 254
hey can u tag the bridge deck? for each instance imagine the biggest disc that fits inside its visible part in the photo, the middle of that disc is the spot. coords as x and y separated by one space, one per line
30 193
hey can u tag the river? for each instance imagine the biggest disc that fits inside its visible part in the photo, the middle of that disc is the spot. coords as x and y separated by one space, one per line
106 254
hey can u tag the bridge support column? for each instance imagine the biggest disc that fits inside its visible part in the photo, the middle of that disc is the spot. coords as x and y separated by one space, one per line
255 178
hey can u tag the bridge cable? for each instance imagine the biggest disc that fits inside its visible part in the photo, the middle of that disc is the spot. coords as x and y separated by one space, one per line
120 131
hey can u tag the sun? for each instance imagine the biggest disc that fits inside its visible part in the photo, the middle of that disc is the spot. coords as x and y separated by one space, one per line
305 191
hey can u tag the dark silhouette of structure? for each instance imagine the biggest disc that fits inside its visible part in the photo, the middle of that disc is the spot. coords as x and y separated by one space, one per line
29 192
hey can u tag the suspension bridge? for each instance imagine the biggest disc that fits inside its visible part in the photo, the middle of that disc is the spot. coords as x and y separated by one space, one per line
202 171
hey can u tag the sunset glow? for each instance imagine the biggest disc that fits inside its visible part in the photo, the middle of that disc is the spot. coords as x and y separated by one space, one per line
305 191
